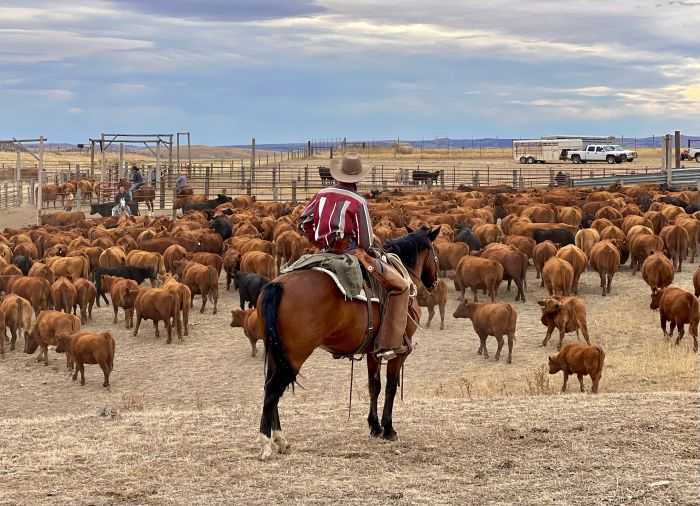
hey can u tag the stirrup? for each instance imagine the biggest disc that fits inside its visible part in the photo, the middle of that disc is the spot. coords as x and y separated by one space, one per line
392 353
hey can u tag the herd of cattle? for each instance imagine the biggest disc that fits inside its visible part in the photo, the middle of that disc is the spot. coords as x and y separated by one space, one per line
487 237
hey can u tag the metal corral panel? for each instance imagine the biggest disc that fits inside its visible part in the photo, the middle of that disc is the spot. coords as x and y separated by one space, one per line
681 177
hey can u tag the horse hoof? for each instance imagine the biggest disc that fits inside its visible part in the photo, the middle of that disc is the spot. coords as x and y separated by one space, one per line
390 436
375 432
281 442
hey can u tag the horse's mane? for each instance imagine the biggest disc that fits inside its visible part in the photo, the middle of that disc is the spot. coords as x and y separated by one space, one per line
408 246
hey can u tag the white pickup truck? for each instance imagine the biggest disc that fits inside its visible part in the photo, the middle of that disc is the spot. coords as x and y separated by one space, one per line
694 154
631 155
598 153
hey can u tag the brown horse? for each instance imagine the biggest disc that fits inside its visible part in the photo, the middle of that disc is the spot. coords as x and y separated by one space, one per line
145 194
304 310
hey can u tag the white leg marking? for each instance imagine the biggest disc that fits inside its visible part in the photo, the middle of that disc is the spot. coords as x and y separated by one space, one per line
265 447
280 441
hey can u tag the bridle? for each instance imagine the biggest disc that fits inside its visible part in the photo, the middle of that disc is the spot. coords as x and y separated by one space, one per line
432 287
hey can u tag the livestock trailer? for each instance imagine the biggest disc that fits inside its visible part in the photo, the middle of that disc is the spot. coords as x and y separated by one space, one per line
553 149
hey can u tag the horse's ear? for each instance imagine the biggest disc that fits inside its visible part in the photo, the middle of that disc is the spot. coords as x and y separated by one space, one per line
434 233
409 229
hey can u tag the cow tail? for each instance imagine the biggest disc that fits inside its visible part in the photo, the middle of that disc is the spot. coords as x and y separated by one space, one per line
213 285
274 349
601 360
111 345
86 268
512 315
20 316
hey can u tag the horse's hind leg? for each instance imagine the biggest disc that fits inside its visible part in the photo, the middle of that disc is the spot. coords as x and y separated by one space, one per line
375 386
393 369
270 428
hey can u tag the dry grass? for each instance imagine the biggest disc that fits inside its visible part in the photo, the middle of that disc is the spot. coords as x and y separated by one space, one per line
178 424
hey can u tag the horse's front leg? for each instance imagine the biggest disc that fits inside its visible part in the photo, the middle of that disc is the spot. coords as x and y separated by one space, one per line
374 382
270 428
393 369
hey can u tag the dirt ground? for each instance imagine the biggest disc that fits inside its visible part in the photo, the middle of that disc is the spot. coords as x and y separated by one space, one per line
181 419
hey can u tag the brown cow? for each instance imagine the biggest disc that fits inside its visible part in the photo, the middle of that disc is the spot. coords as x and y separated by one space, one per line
605 260
429 300
138 258
27 249
259 263
680 308
184 299
62 218
86 295
201 280
581 360
543 252
48 325
119 290
524 244
657 270
567 314
232 261
2 332
112 257
585 239
11 270
248 320
449 254
577 259
558 275
18 317
514 264
696 281
641 246
63 294
290 246
478 273
41 270
172 254
77 266
490 319
676 239
35 290
88 348
210 259
156 304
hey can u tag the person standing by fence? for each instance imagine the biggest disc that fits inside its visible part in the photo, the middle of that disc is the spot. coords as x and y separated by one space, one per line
181 182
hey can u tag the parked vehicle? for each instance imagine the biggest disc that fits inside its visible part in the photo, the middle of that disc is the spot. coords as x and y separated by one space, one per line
630 155
598 153
552 149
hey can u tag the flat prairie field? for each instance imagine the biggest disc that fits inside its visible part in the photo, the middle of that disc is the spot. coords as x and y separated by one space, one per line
179 423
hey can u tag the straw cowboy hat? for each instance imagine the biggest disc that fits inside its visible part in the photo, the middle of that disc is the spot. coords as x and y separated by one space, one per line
350 169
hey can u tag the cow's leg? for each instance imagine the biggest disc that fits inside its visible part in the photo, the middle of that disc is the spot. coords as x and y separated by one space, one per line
431 313
511 338
116 312
483 345
169 327
75 371
474 292
672 327
566 378
499 340
550 330
155 325
13 331
681 333
521 290
138 323
442 314
81 366
374 383
602 282
105 370
393 369
610 278
680 263
596 380
562 333
580 380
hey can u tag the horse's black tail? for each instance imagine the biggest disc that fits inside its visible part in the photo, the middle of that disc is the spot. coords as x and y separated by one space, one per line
269 303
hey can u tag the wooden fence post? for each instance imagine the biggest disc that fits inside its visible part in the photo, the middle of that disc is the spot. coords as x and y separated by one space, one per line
515 178
385 185
306 178
249 187
5 190
207 175
294 193
20 190
374 178
442 179
174 199
274 184
162 192
78 199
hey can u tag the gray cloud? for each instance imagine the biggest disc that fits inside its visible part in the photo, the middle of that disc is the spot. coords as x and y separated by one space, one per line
224 10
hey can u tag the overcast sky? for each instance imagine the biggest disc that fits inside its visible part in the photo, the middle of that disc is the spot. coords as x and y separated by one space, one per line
290 70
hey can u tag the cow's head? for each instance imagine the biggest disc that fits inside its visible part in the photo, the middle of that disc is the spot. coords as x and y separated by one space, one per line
30 342
62 343
656 294
464 310
237 317
554 364
549 305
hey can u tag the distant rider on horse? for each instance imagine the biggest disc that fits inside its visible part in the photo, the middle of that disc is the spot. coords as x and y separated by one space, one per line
337 220
136 180
121 194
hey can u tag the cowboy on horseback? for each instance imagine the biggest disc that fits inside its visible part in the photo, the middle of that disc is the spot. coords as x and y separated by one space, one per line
337 221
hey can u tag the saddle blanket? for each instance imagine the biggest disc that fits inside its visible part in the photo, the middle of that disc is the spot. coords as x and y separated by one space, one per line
362 296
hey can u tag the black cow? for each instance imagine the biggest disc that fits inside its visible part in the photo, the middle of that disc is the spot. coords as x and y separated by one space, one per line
207 204
673 201
587 220
105 209
424 177
692 208
222 227
138 274
23 262
467 236
249 286
557 236
325 174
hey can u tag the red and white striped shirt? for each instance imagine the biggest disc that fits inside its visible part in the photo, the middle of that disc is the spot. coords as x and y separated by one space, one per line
337 213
